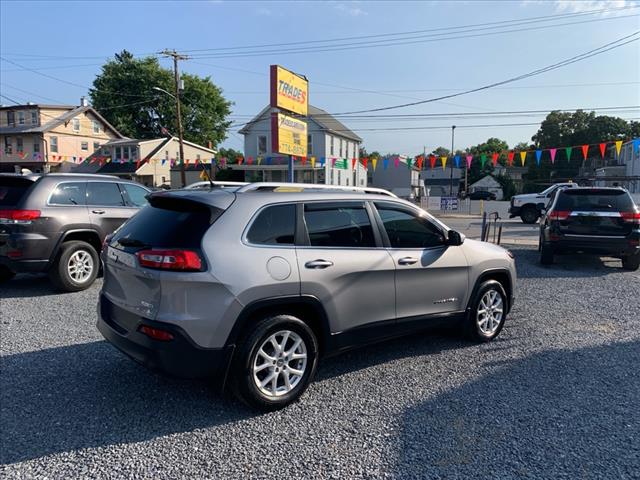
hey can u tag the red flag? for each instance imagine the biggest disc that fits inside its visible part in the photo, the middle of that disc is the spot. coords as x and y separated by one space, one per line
603 147
510 156
353 163
432 161
420 160
303 160
365 162
494 158
585 150
137 164
250 160
239 159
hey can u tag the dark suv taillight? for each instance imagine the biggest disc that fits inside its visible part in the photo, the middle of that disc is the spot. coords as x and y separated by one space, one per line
18 216
181 260
559 215
631 217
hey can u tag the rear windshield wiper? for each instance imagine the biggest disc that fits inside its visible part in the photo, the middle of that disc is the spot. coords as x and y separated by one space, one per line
132 242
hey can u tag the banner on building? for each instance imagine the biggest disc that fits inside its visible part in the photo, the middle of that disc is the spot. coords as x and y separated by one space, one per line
289 135
289 91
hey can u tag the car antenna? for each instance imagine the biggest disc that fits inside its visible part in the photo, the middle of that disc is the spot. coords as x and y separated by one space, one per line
204 170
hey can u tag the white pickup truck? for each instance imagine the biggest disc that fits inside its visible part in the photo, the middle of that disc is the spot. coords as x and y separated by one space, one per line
528 206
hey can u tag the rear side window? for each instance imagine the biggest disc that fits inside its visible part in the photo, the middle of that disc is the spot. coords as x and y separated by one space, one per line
106 194
275 225
594 200
179 225
12 190
72 193
338 225
135 194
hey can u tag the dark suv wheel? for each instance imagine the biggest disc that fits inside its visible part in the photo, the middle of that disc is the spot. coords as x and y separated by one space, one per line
275 363
529 214
487 312
631 262
76 266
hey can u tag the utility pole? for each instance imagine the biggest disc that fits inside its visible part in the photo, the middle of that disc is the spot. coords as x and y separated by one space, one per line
176 56
453 129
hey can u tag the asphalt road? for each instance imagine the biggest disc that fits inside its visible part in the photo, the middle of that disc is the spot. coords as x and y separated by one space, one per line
555 396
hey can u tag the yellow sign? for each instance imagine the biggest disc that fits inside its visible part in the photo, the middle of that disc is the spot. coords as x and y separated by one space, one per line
289 135
289 91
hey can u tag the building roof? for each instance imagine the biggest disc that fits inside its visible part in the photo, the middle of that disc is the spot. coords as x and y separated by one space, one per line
325 120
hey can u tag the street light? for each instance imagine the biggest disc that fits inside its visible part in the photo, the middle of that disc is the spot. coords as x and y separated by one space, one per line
176 97
164 91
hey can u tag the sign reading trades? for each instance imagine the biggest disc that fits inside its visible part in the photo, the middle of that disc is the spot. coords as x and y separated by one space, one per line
289 91
289 135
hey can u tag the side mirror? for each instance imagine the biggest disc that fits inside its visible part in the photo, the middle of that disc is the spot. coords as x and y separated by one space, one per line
454 238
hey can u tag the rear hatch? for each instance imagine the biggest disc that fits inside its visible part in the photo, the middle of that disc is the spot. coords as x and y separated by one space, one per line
160 243
13 190
595 212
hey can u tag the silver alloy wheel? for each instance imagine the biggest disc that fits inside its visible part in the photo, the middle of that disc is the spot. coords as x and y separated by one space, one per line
80 266
280 363
489 313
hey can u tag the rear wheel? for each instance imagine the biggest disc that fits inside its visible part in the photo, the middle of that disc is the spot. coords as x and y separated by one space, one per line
275 363
546 253
529 214
6 274
75 268
488 312
631 262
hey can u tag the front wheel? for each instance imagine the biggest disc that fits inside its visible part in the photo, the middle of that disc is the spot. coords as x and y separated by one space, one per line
75 267
529 215
488 312
631 262
275 364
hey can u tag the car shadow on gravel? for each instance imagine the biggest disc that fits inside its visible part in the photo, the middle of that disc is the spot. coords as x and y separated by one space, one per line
28 285
90 395
570 265
556 414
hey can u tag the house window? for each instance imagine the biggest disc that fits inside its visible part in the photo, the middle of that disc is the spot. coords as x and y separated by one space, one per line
20 118
19 145
340 147
125 153
53 144
96 127
96 146
134 153
309 145
331 150
34 117
106 150
262 144
36 147
76 124
8 146
11 118
84 145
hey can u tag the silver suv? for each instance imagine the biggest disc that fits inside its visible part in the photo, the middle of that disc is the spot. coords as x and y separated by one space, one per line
252 286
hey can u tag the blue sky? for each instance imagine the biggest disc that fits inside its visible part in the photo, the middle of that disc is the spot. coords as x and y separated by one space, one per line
397 74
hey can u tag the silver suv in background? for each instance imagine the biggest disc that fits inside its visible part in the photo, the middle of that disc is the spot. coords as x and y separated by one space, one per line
255 285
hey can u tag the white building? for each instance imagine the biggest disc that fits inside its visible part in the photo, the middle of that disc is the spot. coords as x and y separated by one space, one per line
327 139
401 180
630 158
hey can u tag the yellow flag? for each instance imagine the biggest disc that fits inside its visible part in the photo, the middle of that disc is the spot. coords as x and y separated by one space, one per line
618 147
259 160
203 175
443 159
374 162
523 156
313 162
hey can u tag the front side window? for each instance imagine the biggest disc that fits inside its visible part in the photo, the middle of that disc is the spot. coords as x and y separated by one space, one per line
72 193
338 225
104 194
76 124
275 225
409 230
53 144
137 195
262 144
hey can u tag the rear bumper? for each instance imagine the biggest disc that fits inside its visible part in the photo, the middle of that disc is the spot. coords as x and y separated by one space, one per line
30 252
24 266
179 357
621 246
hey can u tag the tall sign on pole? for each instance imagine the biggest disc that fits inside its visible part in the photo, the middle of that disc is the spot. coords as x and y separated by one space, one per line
289 93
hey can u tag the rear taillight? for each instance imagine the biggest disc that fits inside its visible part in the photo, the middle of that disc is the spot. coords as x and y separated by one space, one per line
156 333
183 260
631 217
559 215
18 216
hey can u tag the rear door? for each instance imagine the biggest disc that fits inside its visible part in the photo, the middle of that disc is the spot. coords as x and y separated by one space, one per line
431 277
344 265
594 212
106 205
13 190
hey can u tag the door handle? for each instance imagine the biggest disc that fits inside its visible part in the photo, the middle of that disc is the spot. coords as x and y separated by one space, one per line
318 264
99 212
407 261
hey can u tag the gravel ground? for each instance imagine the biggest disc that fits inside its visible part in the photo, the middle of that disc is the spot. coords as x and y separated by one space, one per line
555 396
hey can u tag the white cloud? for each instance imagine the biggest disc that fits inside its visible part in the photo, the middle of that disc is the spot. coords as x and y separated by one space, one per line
580 6
350 9
264 12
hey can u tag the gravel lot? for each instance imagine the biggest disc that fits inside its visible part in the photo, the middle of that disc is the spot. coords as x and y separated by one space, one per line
555 396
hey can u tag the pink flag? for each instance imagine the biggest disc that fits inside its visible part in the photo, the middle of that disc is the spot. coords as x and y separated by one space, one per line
396 161
552 152
469 159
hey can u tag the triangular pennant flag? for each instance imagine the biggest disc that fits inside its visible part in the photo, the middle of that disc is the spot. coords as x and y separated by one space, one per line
396 161
618 147
239 159
323 160
432 161
457 161
483 159
568 152
259 160
510 156
313 162
409 162
538 156
333 162
365 162
268 160
420 160
636 144
469 159
385 163
163 160
523 157
353 164
603 147
585 150
250 161
443 160
552 152
494 158
303 160
137 164
374 163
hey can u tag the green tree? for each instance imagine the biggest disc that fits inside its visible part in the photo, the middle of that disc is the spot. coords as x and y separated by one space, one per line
123 93
492 145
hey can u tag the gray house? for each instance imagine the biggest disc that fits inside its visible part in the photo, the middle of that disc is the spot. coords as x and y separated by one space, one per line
401 180
327 139
439 182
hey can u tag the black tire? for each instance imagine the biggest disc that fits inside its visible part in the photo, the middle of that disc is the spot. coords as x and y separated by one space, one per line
472 323
529 214
631 262
546 253
59 273
6 274
242 379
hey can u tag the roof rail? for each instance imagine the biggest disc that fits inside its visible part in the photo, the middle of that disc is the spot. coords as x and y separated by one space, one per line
311 186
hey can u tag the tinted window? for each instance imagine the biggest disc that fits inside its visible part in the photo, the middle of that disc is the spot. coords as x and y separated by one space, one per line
274 225
594 200
12 190
408 230
338 225
72 193
135 194
104 193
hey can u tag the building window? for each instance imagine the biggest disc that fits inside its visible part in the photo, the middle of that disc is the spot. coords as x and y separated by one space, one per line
340 147
36 147
331 150
19 145
125 153
8 146
53 144
20 118
262 144
134 153
84 145
76 124
309 145
11 118
34 117
106 151
96 127
96 146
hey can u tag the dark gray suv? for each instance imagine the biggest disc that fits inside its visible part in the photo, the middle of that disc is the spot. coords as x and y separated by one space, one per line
56 223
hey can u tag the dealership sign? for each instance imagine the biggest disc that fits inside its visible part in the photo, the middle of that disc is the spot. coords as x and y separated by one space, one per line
289 91
289 135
